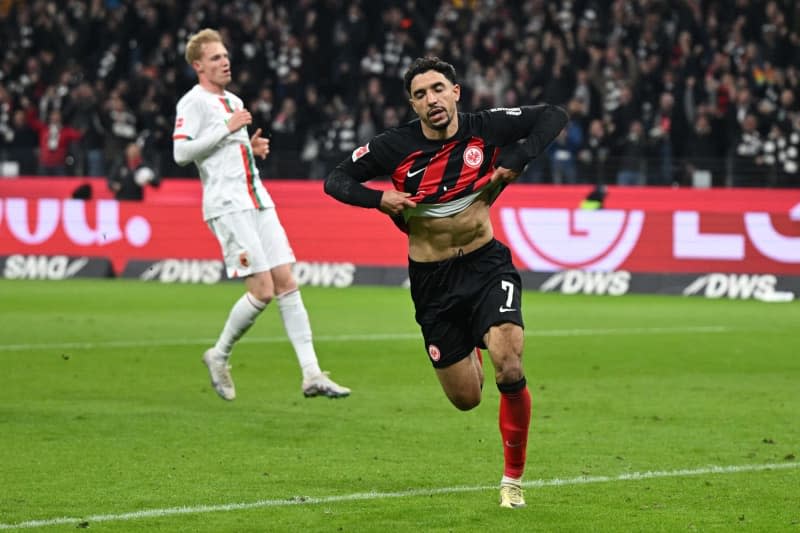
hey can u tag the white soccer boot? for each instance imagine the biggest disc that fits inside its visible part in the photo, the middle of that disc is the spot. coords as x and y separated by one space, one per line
511 496
220 374
322 385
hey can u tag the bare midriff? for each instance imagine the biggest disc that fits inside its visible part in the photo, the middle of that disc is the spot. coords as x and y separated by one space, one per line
437 239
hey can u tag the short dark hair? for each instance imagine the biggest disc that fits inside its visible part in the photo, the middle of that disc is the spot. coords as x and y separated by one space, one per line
424 64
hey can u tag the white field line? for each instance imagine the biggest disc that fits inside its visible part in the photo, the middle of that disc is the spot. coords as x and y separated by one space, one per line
354 337
411 493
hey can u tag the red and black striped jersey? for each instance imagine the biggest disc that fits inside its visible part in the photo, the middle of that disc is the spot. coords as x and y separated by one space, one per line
439 171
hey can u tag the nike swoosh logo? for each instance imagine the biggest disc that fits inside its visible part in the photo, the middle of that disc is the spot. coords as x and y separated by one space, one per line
506 309
513 444
410 174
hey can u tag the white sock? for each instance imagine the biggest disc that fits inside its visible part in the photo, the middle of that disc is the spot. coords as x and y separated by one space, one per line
298 329
243 314
511 481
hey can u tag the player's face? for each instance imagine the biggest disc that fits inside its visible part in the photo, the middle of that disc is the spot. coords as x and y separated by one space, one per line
214 66
433 99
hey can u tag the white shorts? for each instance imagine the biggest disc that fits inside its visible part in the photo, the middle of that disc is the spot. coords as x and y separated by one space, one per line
252 241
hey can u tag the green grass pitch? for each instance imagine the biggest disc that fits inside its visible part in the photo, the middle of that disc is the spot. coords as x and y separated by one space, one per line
650 414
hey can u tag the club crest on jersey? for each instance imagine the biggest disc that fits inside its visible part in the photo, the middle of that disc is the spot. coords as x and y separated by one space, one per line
360 152
473 157
434 353
178 122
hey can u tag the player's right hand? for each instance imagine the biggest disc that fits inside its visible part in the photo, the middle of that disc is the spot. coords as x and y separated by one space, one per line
393 202
239 118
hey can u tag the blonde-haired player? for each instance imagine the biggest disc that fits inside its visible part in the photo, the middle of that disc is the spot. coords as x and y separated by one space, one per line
211 132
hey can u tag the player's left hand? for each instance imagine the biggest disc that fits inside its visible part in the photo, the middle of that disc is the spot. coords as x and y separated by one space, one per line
504 175
394 202
260 144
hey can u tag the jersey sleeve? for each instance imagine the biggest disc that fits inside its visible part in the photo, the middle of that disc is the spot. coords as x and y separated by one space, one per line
345 182
369 161
192 138
523 132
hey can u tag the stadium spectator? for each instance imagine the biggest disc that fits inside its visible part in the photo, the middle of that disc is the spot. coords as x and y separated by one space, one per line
376 100
366 127
789 157
743 105
589 98
55 140
120 123
286 133
19 142
632 150
563 153
263 106
781 153
130 175
391 117
153 134
312 132
488 88
466 291
211 132
748 165
734 50
703 152
662 136
593 154
340 137
786 108
83 112
628 110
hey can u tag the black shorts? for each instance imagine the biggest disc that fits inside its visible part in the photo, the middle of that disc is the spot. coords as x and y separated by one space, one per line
459 299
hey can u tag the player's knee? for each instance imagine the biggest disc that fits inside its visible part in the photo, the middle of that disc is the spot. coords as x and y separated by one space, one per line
465 400
264 294
283 279
282 289
465 404
508 369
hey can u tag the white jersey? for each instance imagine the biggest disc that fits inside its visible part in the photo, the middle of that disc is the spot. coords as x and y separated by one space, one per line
224 160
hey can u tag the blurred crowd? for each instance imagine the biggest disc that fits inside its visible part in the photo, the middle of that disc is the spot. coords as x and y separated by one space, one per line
672 92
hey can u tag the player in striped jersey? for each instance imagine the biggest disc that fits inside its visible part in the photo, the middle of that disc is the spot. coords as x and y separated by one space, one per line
211 132
446 169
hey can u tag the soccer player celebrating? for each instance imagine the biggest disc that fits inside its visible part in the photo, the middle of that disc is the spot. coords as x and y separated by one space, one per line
211 132
447 168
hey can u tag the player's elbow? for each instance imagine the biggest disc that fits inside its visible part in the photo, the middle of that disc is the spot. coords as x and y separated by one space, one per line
180 156
330 185
560 114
